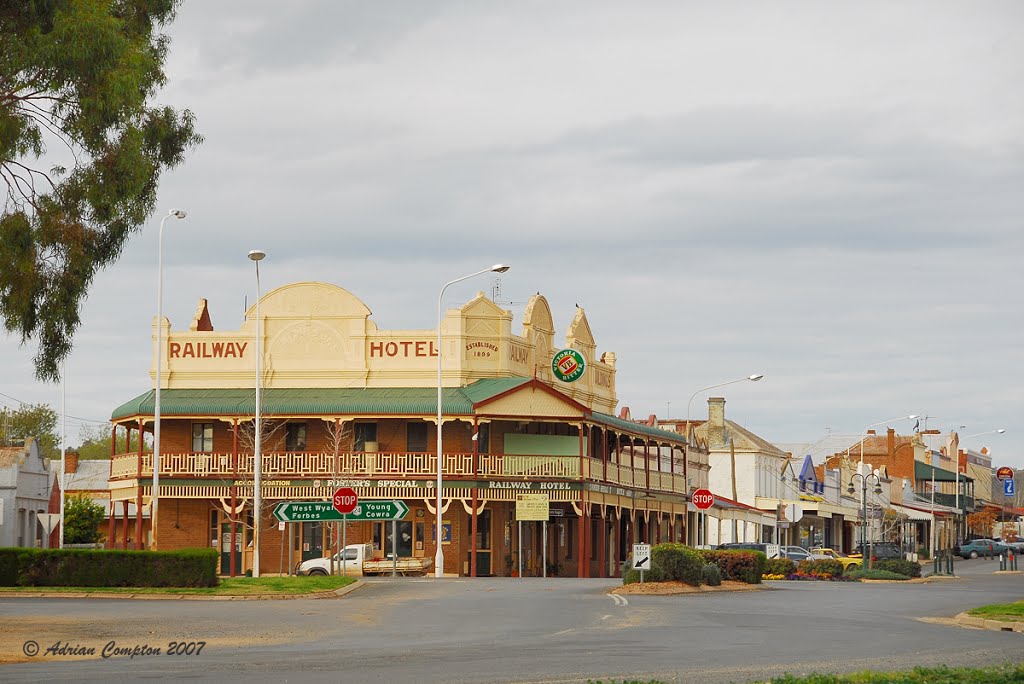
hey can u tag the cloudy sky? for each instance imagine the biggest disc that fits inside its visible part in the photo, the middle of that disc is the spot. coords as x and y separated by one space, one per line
831 195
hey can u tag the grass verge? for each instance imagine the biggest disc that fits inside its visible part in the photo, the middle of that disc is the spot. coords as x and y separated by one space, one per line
1011 612
229 586
920 675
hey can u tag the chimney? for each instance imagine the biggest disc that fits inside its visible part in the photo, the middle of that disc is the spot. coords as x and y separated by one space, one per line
890 443
70 462
716 421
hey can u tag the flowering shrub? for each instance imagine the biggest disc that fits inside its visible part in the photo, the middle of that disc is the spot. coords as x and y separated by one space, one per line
737 564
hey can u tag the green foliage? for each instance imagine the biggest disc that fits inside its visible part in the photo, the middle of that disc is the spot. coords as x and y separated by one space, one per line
83 72
82 520
38 421
96 443
861 573
923 553
779 566
899 566
820 567
678 562
741 565
103 568
711 575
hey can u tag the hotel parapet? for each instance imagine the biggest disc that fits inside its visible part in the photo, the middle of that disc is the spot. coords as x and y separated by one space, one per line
347 404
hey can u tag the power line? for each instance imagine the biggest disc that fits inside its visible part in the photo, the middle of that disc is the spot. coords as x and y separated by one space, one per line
28 403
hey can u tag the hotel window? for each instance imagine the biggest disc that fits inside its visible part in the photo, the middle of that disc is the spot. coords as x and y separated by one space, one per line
295 437
202 437
363 433
416 437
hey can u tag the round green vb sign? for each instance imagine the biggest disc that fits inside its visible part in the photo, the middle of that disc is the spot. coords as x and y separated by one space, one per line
568 365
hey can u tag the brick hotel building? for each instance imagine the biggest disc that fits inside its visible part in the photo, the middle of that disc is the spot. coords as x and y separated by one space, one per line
347 404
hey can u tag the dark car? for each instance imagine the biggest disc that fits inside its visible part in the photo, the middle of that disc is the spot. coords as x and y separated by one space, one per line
881 551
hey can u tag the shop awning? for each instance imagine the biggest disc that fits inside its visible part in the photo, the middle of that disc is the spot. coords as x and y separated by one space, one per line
924 472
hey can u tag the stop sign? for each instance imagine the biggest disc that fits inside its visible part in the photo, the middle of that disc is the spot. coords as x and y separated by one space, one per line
345 500
703 499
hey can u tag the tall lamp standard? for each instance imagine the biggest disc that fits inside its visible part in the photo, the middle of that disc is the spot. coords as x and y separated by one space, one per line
864 499
956 491
860 470
155 496
439 555
257 255
689 404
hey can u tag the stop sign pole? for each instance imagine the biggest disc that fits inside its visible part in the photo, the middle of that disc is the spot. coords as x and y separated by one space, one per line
703 500
344 501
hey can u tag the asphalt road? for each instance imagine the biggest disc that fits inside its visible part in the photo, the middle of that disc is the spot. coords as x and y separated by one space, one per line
519 630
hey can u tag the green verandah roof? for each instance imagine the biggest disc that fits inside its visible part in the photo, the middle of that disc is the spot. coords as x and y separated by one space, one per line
923 472
312 402
399 401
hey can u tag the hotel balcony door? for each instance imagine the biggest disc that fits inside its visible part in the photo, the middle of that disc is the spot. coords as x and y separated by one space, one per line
483 545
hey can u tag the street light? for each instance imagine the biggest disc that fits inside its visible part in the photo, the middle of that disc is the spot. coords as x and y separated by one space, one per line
864 498
257 255
686 445
860 470
155 495
956 487
439 554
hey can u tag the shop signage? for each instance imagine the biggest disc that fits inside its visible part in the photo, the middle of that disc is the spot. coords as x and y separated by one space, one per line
1008 487
568 365
1005 473
532 507
207 350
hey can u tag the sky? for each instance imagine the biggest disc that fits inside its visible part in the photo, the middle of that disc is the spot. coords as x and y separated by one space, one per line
827 194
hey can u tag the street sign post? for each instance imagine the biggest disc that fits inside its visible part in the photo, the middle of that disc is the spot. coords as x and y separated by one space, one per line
1008 487
345 500
641 559
703 499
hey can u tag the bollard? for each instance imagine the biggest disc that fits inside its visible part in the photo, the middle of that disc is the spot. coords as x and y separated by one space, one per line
949 562
935 562
1002 562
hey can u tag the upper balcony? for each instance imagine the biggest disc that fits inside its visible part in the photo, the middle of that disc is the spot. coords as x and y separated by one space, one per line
393 465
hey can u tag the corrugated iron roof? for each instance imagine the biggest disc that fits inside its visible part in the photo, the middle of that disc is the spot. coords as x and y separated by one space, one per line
316 401
661 434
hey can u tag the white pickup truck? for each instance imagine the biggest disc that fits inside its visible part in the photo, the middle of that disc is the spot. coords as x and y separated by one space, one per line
356 560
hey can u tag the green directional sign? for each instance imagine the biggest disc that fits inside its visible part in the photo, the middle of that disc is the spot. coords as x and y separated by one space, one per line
313 511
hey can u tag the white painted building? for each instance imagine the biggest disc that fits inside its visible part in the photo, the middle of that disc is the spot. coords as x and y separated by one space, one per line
24 494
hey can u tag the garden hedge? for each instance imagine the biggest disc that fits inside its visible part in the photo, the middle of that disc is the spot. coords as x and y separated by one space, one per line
741 565
899 566
108 568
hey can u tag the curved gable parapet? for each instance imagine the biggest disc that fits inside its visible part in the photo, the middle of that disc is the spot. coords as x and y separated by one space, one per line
579 335
299 300
537 316
482 307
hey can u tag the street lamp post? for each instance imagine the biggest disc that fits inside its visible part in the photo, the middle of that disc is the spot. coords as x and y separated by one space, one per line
686 446
864 498
860 469
439 554
257 255
155 496
956 491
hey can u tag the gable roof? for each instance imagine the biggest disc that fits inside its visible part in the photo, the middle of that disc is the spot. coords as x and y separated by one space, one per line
742 438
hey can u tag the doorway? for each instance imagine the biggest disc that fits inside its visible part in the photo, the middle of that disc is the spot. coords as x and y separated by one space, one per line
312 540
483 544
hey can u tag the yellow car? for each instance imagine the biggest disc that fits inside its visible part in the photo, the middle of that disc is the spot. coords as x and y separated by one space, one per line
843 558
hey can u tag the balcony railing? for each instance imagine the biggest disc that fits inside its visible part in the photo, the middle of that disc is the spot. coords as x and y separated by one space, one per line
410 465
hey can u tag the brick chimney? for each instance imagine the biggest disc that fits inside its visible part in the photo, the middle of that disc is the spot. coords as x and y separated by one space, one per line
70 462
890 443
716 421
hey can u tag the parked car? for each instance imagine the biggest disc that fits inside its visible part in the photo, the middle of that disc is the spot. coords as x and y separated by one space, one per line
769 550
796 553
881 551
356 560
980 547
843 558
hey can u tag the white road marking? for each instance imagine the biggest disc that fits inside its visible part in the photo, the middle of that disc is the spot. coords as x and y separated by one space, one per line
564 631
619 600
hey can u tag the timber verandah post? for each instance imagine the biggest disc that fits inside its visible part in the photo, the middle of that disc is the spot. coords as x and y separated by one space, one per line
138 494
473 524
233 563
111 542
